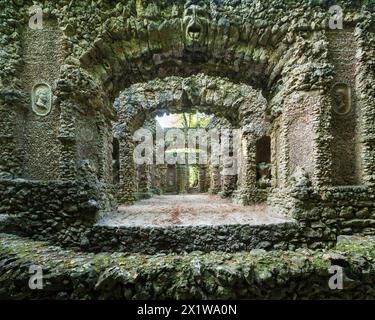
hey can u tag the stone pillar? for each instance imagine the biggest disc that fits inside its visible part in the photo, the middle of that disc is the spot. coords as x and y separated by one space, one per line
67 137
105 144
151 179
247 177
366 97
182 178
279 154
228 177
228 185
202 177
143 182
127 184
307 146
215 180
162 177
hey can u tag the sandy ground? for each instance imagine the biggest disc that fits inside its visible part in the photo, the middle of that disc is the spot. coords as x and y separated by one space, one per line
192 210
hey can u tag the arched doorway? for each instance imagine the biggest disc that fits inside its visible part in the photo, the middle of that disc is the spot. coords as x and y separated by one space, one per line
242 106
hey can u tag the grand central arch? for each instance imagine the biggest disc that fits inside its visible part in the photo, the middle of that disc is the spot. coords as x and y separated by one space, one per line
242 106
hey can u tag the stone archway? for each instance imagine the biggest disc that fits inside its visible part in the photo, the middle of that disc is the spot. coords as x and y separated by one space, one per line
142 41
139 41
240 104
243 106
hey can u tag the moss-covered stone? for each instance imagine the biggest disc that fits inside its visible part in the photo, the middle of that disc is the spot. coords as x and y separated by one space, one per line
302 274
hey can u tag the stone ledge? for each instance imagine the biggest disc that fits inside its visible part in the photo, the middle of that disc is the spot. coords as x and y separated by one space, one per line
302 274
179 239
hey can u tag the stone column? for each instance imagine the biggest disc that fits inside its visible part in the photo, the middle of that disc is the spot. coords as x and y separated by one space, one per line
143 181
127 184
105 144
228 185
202 179
151 179
215 180
182 178
161 170
279 154
67 137
247 177
307 137
366 97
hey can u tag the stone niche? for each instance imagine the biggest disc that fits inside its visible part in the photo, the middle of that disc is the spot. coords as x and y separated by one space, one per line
263 162
301 135
87 139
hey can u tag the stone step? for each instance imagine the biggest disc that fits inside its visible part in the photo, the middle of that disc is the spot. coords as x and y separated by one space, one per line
205 238
68 274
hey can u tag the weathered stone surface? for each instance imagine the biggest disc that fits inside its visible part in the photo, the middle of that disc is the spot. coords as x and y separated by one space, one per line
215 275
274 69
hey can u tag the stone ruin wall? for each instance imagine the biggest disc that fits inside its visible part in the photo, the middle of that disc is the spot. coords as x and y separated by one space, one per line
86 77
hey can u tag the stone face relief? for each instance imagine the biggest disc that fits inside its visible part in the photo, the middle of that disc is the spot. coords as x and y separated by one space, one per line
41 98
195 22
342 98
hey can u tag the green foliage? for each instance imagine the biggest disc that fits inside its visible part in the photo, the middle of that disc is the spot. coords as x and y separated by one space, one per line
193 176
194 120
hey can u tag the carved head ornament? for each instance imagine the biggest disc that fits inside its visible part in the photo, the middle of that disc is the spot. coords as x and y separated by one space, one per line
195 22
41 99
342 98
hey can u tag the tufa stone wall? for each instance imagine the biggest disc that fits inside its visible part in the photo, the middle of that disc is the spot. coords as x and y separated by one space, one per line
59 211
301 274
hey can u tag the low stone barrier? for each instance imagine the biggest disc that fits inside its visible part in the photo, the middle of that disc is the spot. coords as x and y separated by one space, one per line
300 274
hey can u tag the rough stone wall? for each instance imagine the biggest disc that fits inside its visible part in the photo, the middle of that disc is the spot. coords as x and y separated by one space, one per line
226 238
301 133
59 211
247 275
40 146
341 210
87 136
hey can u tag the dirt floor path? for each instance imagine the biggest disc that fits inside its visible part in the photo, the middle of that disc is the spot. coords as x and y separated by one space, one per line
191 209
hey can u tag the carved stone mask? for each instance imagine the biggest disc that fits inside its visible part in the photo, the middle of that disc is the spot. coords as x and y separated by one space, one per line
195 24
